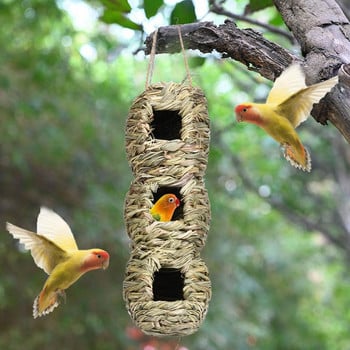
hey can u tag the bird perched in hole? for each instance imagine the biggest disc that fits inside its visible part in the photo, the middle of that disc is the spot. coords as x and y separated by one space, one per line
288 104
163 209
54 249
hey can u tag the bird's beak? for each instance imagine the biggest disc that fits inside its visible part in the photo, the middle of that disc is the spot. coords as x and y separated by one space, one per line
177 202
238 115
105 264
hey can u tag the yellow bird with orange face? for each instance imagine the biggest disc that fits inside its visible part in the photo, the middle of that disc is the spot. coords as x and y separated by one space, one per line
288 104
164 208
54 249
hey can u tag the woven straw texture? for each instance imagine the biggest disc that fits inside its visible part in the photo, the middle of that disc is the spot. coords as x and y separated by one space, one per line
177 164
153 157
144 230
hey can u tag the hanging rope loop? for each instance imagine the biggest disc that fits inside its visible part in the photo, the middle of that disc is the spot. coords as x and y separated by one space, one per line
151 63
151 60
184 56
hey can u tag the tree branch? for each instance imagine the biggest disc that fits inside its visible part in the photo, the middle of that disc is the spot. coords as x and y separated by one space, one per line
247 46
323 32
219 10
321 29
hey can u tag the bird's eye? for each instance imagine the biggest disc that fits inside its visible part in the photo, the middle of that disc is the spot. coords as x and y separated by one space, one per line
244 110
99 256
171 200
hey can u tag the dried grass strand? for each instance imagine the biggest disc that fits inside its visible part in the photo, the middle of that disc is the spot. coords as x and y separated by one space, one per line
177 163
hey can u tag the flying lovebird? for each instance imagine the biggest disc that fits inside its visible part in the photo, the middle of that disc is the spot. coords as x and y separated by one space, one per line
54 249
288 104
163 209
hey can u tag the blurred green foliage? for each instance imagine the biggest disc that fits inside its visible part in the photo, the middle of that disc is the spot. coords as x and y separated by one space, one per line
278 250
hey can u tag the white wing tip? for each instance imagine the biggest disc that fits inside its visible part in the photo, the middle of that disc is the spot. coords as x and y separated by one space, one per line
44 209
332 82
294 68
11 228
16 231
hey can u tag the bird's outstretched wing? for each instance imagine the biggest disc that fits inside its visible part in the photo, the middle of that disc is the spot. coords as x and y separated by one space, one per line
45 253
55 229
297 108
287 84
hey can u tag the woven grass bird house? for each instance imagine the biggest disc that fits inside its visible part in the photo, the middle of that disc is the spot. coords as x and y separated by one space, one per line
167 287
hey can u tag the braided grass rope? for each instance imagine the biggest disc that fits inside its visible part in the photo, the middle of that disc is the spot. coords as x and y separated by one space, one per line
167 287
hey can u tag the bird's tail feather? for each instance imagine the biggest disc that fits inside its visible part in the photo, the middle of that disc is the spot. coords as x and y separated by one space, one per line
300 160
44 304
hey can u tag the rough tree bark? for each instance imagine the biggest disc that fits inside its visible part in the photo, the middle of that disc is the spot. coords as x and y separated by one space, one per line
323 32
321 29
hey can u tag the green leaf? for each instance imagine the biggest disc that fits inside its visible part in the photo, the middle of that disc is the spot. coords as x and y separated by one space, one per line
277 20
117 5
116 17
151 7
183 12
256 5
195 62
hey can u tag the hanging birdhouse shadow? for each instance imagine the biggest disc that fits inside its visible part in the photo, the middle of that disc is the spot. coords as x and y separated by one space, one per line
166 124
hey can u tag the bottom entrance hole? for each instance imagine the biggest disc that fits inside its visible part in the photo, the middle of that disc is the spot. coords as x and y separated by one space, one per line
168 284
